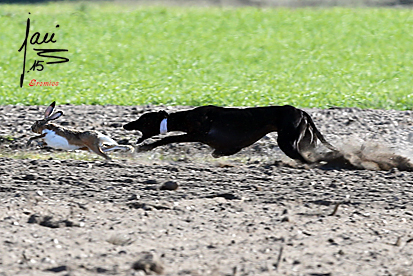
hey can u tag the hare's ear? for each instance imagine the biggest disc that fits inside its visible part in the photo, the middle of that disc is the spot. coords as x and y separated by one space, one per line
49 110
55 116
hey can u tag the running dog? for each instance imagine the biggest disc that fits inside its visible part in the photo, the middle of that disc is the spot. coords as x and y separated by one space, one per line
228 130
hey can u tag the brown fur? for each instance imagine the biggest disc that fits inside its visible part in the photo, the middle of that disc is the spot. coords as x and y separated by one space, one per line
85 140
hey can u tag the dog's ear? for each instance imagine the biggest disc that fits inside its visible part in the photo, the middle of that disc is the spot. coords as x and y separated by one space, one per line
163 113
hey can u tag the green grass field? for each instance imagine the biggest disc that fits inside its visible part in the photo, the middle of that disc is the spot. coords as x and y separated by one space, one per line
132 55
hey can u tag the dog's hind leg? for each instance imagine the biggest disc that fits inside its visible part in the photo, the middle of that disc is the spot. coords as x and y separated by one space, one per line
288 145
311 126
219 153
307 139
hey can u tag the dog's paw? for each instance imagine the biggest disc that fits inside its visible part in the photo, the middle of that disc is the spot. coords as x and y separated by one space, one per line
217 154
143 148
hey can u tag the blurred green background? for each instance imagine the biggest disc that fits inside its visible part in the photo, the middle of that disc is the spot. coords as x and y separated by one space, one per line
130 54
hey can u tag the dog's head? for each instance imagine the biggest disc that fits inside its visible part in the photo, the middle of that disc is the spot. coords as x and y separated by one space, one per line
148 124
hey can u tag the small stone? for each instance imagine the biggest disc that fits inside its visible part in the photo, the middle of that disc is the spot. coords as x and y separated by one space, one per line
26 212
120 240
134 197
29 177
169 186
332 242
285 219
47 260
34 162
58 269
48 221
115 125
148 263
34 219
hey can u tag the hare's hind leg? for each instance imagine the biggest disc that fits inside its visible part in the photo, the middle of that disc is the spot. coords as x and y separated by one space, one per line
94 146
107 148
118 147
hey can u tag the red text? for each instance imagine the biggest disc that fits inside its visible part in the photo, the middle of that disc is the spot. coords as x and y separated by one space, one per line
33 82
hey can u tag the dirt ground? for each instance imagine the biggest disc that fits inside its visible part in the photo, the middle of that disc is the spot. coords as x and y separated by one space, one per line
254 213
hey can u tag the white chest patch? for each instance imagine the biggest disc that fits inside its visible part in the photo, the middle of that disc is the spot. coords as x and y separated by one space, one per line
164 126
58 142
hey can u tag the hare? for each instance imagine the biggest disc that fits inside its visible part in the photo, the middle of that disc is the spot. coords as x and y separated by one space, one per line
59 137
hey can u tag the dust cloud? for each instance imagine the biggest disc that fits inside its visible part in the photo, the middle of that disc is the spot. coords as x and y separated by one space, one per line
363 156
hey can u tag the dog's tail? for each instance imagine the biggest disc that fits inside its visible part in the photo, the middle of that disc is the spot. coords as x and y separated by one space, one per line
309 134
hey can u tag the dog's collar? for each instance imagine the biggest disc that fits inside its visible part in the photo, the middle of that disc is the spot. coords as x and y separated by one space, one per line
164 126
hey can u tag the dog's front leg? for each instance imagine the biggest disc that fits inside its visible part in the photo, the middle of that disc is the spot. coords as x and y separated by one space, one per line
168 140
35 138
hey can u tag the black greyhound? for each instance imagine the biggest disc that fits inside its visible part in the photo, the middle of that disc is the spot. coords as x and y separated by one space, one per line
228 130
